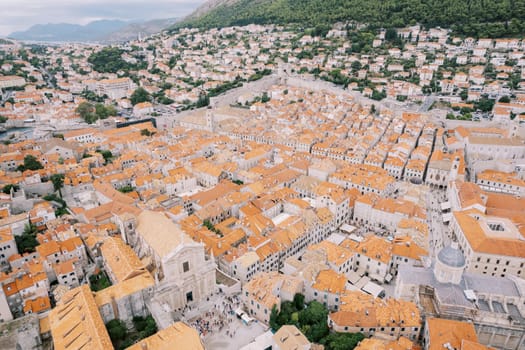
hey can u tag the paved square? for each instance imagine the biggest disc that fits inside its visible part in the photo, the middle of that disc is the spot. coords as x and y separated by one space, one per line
244 335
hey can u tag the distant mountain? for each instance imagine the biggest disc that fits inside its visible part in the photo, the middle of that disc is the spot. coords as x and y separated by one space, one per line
98 31
132 30
92 31
478 18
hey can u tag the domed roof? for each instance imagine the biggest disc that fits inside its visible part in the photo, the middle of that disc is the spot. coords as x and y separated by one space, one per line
452 256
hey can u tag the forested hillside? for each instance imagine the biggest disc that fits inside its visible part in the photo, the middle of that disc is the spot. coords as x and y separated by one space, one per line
478 18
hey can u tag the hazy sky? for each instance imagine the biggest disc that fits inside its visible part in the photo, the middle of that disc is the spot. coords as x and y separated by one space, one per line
21 14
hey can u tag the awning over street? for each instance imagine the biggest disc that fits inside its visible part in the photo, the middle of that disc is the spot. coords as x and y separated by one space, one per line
445 206
347 228
374 289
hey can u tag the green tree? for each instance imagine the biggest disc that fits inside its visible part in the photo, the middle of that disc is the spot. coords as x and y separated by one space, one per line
391 34
317 331
342 341
108 60
30 163
286 314
91 113
150 328
3 119
485 104
117 330
26 242
356 65
126 343
315 312
146 132
62 210
298 301
514 80
99 281
504 99
377 95
203 101
478 18
86 111
140 95
274 325
7 188
58 182
106 154
165 100
91 96
126 189
265 98
103 112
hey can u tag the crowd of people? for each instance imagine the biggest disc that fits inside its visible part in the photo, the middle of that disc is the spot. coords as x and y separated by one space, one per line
221 316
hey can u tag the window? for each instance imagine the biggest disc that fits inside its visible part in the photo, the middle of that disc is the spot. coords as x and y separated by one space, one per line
189 297
185 266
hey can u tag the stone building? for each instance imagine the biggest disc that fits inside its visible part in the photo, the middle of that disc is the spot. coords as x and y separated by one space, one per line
495 305
183 273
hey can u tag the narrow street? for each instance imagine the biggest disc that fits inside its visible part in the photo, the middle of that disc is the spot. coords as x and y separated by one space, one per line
438 231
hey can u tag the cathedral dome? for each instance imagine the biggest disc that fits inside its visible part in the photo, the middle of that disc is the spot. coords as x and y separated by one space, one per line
452 256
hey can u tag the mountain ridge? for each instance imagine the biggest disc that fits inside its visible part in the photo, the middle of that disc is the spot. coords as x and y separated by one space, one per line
96 31
69 32
465 17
